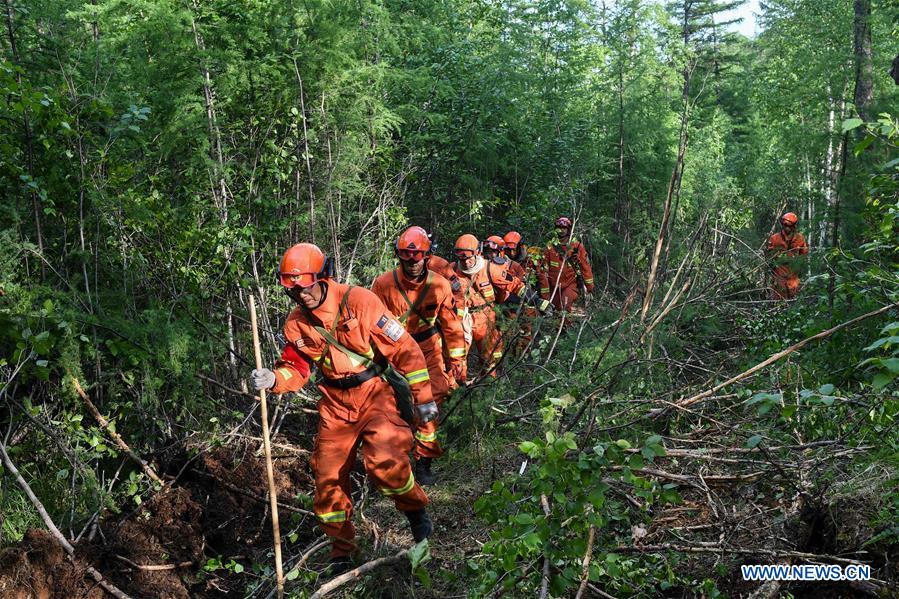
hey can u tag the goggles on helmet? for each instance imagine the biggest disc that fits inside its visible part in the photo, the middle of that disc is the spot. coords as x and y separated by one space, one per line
464 254
291 280
411 255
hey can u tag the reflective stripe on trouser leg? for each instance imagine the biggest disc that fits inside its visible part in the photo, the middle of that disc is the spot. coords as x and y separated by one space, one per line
386 443
332 460
426 445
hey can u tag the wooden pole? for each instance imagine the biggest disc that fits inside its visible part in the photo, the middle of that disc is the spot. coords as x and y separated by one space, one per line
266 444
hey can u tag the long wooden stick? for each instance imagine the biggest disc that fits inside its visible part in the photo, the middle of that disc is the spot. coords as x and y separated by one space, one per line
772 359
266 444
54 531
339 581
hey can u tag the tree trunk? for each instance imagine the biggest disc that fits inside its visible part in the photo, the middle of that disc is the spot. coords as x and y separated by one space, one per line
29 139
864 69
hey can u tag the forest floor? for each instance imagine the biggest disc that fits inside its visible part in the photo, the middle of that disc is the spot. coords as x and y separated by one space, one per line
206 533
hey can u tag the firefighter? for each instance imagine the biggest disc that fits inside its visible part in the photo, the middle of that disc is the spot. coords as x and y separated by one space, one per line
351 337
479 284
442 267
522 266
563 264
783 247
498 265
425 300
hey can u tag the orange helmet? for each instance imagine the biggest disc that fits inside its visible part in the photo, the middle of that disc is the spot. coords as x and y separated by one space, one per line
495 242
512 239
563 221
413 244
466 246
303 265
789 219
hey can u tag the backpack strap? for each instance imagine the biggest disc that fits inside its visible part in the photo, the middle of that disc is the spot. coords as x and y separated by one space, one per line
414 306
331 339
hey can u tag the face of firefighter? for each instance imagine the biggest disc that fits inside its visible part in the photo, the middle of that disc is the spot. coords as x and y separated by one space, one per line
489 253
413 268
469 262
787 228
564 234
513 251
309 297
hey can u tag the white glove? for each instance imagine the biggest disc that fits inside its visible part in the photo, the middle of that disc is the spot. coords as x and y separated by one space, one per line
426 412
262 378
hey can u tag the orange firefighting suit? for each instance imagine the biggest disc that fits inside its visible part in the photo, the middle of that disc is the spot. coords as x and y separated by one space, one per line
786 281
357 407
428 311
558 282
477 293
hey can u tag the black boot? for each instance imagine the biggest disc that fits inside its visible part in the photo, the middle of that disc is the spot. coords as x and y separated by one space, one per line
423 473
420 523
340 564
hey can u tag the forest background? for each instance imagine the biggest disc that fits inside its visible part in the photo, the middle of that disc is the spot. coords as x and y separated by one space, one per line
157 157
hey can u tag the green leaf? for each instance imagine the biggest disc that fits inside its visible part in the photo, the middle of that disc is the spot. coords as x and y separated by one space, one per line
419 553
753 441
850 124
881 380
891 364
292 575
826 389
623 443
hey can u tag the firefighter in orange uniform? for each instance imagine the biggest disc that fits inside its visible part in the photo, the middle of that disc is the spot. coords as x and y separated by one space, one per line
351 336
425 300
782 247
498 266
522 266
480 282
562 265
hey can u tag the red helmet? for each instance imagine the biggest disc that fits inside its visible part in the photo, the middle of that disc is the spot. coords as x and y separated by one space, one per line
512 239
789 219
495 242
303 265
466 246
413 244
563 222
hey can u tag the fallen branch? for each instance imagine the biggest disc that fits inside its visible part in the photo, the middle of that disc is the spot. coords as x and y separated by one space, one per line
51 527
148 470
585 568
356 573
153 567
770 360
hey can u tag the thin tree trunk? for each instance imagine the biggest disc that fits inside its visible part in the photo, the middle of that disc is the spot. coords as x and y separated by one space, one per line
29 139
864 69
310 181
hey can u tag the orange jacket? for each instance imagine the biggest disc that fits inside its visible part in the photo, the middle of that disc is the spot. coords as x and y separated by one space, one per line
501 269
779 245
444 269
575 258
480 289
364 326
437 307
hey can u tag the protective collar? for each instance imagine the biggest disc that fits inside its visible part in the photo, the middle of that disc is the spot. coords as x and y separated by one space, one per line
478 265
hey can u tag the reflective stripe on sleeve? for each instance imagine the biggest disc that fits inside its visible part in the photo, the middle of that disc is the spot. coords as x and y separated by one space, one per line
426 437
339 516
553 263
402 490
418 376
588 281
457 352
544 290
285 373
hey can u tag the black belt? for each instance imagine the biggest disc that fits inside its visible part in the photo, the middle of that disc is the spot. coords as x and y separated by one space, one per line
354 380
426 334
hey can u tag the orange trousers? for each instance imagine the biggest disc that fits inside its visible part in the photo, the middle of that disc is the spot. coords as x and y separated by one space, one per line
442 385
487 337
564 297
785 284
386 441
